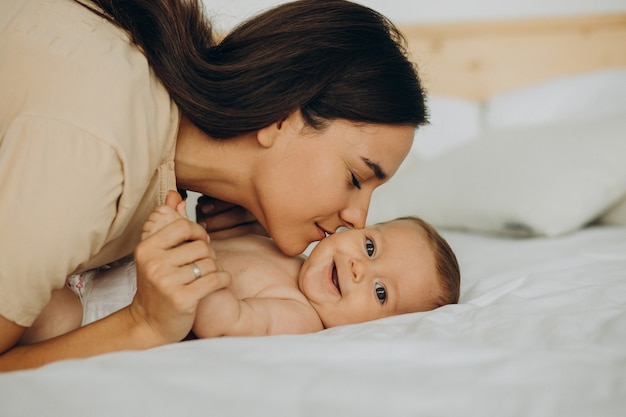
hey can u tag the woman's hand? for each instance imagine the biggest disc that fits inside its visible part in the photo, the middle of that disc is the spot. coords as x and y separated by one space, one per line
168 291
223 220
164 307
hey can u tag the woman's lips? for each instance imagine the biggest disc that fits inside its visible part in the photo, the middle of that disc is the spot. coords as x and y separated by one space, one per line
322 232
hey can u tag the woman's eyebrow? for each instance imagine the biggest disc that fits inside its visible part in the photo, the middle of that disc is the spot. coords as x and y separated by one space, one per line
374 166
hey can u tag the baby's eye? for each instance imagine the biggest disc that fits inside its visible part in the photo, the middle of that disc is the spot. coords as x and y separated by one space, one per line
370 248
381 293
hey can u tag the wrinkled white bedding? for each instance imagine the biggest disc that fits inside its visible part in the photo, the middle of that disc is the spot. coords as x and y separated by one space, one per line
540 331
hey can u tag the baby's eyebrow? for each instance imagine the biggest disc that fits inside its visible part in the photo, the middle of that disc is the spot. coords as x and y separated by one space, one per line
378 171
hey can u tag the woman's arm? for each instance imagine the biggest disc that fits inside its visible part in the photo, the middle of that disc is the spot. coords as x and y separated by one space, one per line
162 311
120 331
63 314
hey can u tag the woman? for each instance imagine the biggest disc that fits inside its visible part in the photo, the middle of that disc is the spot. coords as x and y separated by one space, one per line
297 115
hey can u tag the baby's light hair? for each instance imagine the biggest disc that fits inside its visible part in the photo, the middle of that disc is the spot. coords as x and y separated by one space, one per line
447 266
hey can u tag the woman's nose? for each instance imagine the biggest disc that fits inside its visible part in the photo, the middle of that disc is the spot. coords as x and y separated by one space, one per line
354 215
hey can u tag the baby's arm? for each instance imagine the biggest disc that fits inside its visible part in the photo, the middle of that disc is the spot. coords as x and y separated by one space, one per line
223 314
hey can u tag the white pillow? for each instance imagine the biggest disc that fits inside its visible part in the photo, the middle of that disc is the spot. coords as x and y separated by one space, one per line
453 121
616 214
545 180
586 96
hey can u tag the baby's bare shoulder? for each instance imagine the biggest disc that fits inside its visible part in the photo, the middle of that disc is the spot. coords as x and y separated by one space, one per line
247 244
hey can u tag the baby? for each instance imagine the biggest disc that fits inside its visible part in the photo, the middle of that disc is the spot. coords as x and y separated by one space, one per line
395 267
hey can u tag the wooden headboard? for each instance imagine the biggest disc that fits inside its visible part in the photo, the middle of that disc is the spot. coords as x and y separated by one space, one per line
477 60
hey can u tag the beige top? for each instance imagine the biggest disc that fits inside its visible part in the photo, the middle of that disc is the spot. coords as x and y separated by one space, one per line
87 140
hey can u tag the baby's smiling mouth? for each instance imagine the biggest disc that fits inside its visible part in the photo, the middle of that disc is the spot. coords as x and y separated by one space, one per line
335 278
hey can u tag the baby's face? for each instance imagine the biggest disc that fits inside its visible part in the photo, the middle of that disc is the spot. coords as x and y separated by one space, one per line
366 274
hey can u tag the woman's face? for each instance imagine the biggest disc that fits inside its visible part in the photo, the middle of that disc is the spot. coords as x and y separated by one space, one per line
366 274
311 182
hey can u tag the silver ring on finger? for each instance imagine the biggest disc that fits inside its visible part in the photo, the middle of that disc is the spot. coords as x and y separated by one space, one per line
196 270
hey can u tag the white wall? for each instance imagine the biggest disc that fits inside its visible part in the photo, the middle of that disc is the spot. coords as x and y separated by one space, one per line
226 13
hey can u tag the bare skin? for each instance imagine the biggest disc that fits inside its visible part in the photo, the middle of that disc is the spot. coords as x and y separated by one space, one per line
350 277
63 314
254 171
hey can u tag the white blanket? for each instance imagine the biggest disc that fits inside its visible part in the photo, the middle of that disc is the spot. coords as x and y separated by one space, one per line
540 331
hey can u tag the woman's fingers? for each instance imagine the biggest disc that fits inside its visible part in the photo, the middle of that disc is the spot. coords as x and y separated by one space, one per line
168 316
186 256
167 257
210 205
206 284
168 290
216 215
223 220
176 233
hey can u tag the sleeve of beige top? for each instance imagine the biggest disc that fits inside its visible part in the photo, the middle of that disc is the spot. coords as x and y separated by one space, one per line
59 186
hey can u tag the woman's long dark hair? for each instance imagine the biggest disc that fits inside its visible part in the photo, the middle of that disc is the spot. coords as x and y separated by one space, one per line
332 59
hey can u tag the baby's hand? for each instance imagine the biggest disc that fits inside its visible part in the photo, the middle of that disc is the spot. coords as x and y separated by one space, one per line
174 209
159 218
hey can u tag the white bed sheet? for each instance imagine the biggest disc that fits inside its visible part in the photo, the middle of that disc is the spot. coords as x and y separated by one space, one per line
540 331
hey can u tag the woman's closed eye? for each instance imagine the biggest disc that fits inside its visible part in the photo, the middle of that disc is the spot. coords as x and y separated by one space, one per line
355 181
381 293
